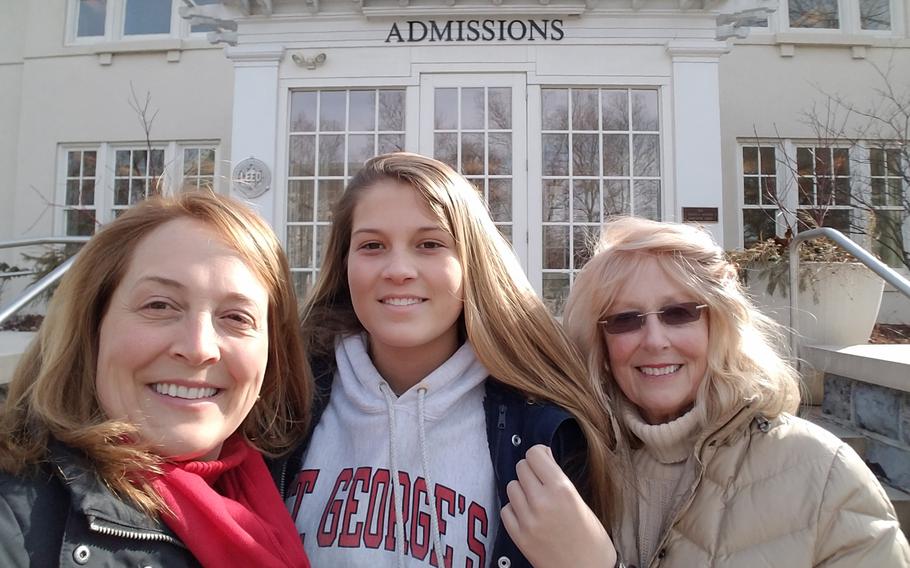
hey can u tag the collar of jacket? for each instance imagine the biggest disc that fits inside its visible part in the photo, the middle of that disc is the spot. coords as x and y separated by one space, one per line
105 511
728 428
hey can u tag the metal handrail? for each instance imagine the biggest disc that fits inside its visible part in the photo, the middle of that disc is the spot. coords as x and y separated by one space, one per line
47 280
43 241
859 253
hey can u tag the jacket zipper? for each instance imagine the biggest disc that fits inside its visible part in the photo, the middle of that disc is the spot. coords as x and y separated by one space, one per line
134 534
501 426
700 473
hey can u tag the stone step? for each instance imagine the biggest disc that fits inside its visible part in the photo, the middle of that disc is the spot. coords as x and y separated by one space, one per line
853 438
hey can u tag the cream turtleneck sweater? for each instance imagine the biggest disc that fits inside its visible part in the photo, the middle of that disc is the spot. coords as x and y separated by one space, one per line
663 470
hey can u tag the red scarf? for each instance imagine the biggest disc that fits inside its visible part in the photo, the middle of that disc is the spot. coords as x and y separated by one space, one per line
228 512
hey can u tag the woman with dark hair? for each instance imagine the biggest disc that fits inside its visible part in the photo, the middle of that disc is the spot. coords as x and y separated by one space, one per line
169 359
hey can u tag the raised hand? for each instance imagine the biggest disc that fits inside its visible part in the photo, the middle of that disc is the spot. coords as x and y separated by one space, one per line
548 519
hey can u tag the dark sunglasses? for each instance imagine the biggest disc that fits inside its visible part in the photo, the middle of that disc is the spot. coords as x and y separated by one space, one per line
674 314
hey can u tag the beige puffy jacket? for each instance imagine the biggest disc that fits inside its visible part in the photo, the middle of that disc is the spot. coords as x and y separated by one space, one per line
781 493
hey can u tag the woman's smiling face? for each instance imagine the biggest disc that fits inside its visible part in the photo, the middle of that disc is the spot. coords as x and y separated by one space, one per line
658 367
184 343
404 275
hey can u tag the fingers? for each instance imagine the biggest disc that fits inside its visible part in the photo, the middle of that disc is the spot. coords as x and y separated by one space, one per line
510 522
544 467
528 478
518 501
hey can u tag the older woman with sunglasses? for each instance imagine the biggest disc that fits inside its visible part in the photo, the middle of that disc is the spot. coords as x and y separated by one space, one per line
725 474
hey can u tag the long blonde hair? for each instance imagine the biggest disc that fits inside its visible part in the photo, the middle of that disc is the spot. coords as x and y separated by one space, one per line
512 332
743 362
53 395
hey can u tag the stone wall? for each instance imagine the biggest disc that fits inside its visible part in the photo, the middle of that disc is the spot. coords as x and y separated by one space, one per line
882 415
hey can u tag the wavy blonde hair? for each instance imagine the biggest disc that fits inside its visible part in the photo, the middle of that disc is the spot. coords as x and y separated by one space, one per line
512 332
743 361
53 394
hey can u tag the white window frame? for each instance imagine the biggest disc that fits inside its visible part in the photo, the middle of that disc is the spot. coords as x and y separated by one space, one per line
115 20
104 173
788 191
849 20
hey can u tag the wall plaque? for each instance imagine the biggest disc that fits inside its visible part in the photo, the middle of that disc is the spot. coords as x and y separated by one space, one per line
251 178
700 214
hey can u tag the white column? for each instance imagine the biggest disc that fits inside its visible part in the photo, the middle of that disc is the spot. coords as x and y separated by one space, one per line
698 180
254 132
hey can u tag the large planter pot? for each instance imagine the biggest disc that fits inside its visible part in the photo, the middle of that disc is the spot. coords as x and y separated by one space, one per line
838 305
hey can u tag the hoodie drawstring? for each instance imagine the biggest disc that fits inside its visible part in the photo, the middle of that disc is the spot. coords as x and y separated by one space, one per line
431 487
393 465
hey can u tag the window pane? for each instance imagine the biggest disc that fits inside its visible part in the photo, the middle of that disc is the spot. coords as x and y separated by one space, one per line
300 201
331 110
616 197
300 246
646 154
584 238
758 225
72 192
586 201
555 154
875 14
500 200
555 291
445 148
445 109
584 109
889 243
360 149
647 199
555 200
331 155
556 247
616 155
391 110
555 109
303 111
750 191
472 154
584 154
500 154
329 193
644 110
80 222
302 154
363 107
147 17
207 161
813 14
768 166
750 160
390 143
499 101
472 108
615 110
91 18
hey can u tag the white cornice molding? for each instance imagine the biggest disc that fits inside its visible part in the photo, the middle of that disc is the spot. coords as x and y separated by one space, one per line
697 50
254 54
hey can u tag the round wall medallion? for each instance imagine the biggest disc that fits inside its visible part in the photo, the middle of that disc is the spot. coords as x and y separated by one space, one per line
251 178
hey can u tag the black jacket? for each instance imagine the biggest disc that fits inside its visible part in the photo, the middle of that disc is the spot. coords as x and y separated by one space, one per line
63 515
514 424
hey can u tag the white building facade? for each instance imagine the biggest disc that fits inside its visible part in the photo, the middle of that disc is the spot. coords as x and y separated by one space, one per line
561 112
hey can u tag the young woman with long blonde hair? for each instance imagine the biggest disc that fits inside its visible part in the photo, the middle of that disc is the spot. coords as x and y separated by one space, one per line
438 367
